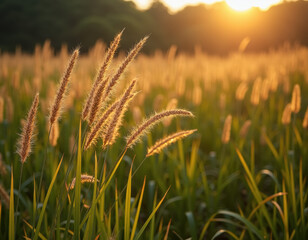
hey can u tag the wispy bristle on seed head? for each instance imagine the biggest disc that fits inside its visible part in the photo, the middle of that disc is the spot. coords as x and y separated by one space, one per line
100 75
286 115
114 80
225 138
84 179
97 128
296 99
305 120
26 137
162 143
144 127
115 123
57 103
97 101
54 134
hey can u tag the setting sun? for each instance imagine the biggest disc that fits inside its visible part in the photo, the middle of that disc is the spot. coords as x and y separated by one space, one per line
240 5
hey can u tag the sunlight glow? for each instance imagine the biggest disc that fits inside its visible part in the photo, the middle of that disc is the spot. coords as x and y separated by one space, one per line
242 5
238 5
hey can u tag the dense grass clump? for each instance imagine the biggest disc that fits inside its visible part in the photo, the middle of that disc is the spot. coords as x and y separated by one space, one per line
96 171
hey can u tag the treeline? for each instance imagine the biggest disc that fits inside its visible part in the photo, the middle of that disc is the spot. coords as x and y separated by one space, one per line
216 29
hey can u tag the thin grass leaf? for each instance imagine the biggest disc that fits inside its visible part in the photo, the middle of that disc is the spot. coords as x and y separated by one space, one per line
11 216
222 231
29 225
167 231
89 227
192 224
103 188
242 219
127 206
138 211
78 188
150 217
38 227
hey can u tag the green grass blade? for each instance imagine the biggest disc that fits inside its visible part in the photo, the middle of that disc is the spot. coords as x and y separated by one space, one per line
38 227
138 211
151 216
11 216
248 224
89 227
192 224
127 206
103 188
222 231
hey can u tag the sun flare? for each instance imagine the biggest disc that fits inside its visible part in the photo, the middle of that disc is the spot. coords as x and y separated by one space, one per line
240 5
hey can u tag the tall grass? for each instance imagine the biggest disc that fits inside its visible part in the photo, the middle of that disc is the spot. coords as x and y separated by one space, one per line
241 177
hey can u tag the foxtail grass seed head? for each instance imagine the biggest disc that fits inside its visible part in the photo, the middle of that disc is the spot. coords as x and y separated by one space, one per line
241 91
115 123
163 143
97 128
225 138
286 115
172 104
305 121
245 128
114 80
97 101
4 197
57 103
26 137
255 95
296 99
144 127
84 179
54 134
100 75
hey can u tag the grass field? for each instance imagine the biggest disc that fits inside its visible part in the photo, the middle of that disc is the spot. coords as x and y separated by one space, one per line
241 175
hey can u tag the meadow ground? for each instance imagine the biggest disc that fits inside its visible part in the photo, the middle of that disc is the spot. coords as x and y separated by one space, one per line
242 174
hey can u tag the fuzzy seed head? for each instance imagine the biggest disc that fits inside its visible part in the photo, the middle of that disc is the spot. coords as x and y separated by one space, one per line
305 121
296 99
26 137
57 103
225 138
147 124
163 143
286 115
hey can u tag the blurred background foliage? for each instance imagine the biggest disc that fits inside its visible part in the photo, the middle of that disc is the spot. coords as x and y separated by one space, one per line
216 29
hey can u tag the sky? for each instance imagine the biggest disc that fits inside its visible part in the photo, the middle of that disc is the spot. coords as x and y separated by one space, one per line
239 5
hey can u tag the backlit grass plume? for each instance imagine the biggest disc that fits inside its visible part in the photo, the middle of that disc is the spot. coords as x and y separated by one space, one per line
100 75
26 137
4 197
286 115
225 138
162 143
115 122
296 99
57 103
85 178
144 127
131 55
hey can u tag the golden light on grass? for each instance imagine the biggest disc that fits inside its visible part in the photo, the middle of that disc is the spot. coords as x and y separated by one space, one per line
26 137
286 115
296 99
226 132
163 143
